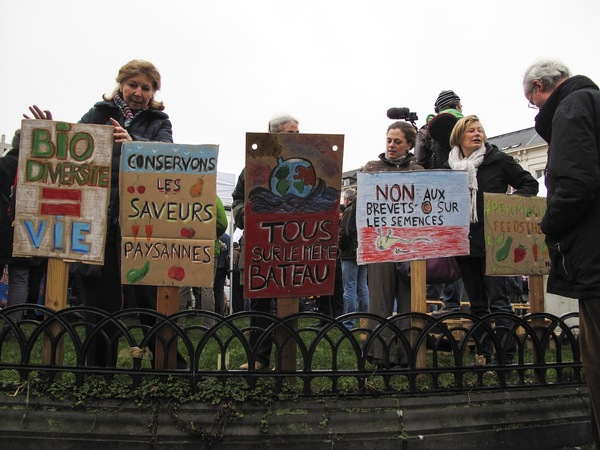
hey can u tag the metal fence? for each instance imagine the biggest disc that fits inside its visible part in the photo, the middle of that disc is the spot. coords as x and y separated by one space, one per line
405 354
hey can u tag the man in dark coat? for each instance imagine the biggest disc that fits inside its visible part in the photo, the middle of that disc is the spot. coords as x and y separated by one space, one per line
569 120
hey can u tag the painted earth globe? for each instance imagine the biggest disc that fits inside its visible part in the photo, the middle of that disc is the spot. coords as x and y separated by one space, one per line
295 176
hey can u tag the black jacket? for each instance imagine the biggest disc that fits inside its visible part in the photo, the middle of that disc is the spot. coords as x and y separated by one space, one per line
149 125
570 122
496 173
347 237
8 170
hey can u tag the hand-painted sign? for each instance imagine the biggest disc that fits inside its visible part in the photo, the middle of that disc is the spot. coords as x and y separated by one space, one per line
291 220
402 216
168 213
63 190
514 242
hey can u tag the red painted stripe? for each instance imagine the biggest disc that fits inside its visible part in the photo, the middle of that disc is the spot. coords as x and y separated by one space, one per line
61 194
61 209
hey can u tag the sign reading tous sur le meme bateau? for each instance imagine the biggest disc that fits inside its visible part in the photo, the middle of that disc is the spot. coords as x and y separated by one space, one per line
63 190
291 213
402 216
515 244
168 213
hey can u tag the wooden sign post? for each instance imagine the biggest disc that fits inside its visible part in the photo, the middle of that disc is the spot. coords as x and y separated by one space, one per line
418 277
62 196
57 280
167 303
168 222
292 191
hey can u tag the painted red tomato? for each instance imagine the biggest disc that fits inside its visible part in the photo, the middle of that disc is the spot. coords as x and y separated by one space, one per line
176 273
187 232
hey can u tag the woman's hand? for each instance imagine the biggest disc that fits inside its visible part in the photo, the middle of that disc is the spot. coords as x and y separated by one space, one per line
38 113
120 133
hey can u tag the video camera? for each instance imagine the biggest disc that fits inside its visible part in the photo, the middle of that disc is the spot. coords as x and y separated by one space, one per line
402 114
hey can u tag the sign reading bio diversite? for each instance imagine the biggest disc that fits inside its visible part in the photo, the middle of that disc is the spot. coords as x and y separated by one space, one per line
402 216
168 213
292 197
63 190
515 244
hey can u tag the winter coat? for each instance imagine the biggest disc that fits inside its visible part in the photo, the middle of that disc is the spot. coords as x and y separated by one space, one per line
238 196
8 170
347 237
570 122
385 165
430 154
149 125
496 173
222 223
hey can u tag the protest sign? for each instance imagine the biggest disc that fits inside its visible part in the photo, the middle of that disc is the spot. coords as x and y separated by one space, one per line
402 216
63 188
292 191
168 213
514 241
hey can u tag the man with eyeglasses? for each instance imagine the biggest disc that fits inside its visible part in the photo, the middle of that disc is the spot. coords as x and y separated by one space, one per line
569 120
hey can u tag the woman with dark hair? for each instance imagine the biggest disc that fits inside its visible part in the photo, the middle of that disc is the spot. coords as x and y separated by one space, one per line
386 285
136 116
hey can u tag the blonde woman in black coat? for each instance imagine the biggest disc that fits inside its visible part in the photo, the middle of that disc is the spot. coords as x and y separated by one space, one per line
490 170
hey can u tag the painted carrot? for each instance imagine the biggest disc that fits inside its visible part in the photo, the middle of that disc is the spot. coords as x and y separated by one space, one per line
149 229
135 230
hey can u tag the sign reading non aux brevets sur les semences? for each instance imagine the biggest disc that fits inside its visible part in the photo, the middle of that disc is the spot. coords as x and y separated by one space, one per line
63 190
291 221
168 213
402 216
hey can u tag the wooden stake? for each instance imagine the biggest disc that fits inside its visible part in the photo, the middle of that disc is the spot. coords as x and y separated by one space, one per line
536 293
57 281
167 303
418 300
286 307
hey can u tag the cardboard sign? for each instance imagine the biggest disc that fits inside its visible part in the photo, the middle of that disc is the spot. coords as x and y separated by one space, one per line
63 190
402 216
514 242
291 213
168 213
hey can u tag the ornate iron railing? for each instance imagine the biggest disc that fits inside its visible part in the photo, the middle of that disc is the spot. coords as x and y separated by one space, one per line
434 354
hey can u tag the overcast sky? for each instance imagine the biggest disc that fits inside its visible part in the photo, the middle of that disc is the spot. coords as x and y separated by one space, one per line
228 66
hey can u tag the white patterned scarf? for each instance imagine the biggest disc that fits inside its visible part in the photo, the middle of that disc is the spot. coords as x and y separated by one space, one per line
458 162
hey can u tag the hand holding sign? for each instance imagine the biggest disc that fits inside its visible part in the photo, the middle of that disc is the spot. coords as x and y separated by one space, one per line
120 134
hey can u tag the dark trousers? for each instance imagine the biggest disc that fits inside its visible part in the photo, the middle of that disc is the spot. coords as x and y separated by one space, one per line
262 349
102 292
333 305
219 289
488 294
589 343
237 291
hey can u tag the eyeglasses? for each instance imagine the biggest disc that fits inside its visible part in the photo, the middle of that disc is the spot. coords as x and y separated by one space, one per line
531 104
